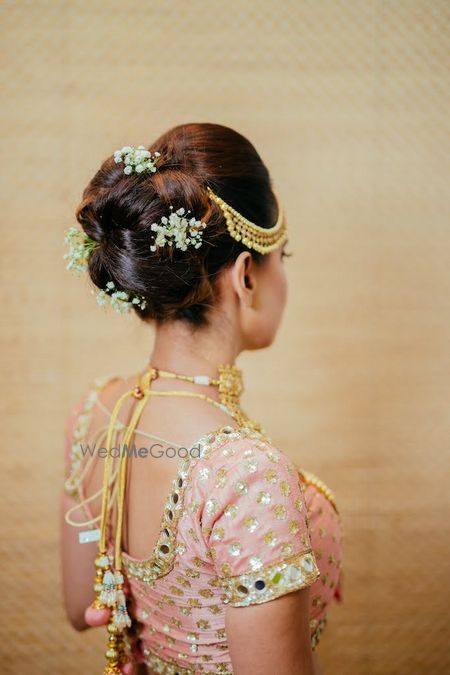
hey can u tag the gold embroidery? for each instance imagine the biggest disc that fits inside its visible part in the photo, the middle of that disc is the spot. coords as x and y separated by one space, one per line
280 511
317 627
286 549
285 488
206 593
231 510
271 475
221 477
251 523
203 624
270 539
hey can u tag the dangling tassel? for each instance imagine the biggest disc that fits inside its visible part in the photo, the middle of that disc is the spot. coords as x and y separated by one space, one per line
120 615
98 613
120 619
108 592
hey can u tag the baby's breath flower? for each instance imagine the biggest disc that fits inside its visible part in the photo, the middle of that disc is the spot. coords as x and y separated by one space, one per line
102 297
121 301
80 248
136 159
177 230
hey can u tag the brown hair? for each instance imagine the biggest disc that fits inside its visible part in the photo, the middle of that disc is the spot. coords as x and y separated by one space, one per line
118 209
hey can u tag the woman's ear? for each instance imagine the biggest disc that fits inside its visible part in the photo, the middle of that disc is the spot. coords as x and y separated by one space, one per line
243 278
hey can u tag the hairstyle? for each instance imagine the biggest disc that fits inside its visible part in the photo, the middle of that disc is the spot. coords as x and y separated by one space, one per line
117 210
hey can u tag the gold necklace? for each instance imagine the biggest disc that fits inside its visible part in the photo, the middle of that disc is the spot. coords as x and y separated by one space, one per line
230 387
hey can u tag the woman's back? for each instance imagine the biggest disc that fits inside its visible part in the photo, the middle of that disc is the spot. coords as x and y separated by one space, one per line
223 519
167 427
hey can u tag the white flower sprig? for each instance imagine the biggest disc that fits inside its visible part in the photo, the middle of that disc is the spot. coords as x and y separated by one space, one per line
136 160
121 301
81 246
177 230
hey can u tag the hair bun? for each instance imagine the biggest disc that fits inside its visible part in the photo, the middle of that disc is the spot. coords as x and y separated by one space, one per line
118 211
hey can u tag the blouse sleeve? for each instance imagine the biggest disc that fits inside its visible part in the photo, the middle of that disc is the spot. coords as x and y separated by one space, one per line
256 525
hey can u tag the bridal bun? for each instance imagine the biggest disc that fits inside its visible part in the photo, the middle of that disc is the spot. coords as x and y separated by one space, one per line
117 211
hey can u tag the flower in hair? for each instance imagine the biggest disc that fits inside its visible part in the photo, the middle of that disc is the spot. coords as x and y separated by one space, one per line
81 246
121 301
178 230
136 160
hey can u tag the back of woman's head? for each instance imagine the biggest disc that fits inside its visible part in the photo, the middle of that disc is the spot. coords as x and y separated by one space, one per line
117 211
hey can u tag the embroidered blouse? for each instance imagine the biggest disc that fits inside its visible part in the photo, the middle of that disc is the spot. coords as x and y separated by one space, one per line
241 525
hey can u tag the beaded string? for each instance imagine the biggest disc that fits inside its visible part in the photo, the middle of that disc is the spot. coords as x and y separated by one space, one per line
75 480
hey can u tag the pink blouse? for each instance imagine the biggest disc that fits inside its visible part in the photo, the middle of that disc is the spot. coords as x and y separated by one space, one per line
242 525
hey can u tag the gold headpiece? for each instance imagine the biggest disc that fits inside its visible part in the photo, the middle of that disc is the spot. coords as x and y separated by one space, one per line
261 239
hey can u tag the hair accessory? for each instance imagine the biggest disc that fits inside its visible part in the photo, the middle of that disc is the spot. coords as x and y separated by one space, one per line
261 239
81 246
120 300
136 160
177 230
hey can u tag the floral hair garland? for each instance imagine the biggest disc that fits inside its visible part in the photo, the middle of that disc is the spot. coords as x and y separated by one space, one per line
175 230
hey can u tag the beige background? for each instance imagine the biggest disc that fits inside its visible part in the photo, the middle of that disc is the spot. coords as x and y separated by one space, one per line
348 104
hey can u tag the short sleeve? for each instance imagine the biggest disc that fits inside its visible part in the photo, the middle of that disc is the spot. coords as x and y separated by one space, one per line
255 523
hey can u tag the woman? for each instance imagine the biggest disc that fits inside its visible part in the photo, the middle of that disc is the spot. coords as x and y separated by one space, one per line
212 552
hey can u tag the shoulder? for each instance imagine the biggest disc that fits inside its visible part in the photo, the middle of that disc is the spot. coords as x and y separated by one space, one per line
254 520
79 416
241 459
86 400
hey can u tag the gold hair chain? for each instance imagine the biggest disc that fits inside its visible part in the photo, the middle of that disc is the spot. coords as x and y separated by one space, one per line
261 239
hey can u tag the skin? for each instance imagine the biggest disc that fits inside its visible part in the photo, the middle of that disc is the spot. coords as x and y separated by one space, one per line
272 637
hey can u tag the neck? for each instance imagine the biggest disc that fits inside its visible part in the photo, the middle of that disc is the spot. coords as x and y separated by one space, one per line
180 349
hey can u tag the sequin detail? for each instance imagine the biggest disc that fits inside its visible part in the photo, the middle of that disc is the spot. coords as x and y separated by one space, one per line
271 581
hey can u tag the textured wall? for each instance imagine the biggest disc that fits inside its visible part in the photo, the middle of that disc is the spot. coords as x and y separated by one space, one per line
348 104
